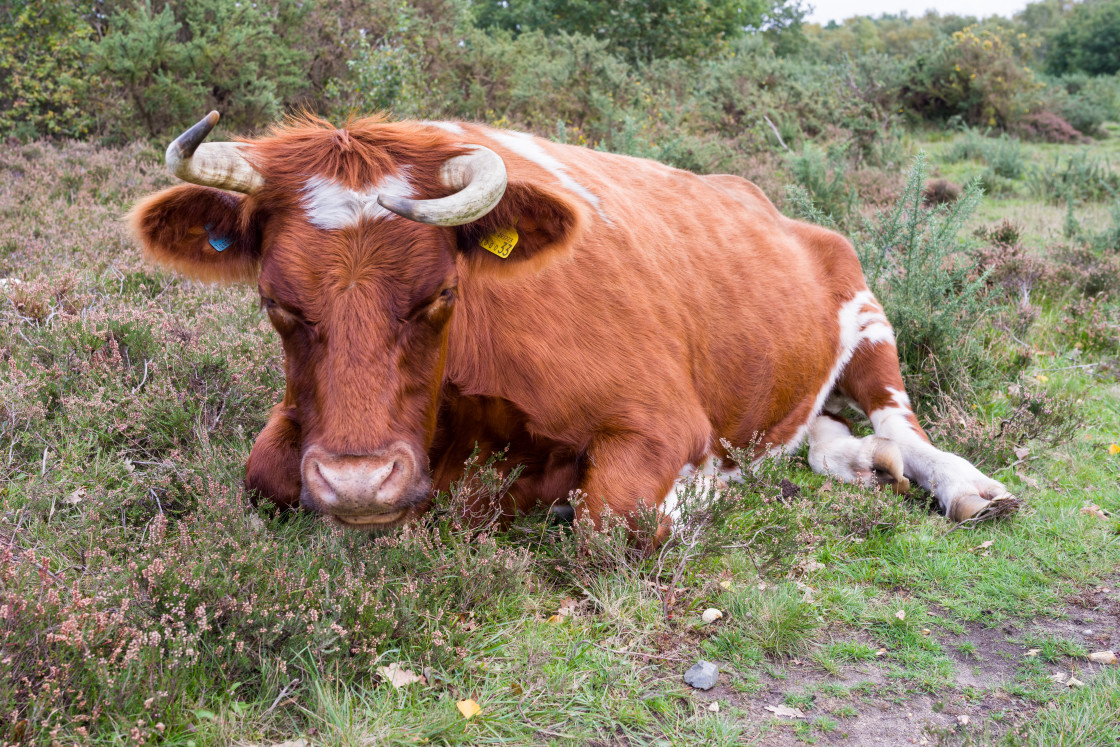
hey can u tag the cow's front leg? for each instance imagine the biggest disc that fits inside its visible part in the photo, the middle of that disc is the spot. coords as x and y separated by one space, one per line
272 471
868 461
627 472
873 382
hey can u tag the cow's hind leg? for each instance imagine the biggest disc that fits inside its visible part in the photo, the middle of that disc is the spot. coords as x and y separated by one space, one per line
872 382
869 461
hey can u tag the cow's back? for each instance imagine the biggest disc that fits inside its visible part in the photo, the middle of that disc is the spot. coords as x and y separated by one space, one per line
682 294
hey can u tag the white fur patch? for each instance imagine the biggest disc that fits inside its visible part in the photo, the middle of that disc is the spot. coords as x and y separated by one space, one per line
710 475
861 320
331 206
453 127
946 475
526 146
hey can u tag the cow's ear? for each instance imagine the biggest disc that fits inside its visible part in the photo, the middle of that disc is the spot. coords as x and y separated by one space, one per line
530 226
201 232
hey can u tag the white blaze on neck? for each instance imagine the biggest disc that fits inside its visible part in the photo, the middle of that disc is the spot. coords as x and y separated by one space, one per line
331 206
526 146
861 320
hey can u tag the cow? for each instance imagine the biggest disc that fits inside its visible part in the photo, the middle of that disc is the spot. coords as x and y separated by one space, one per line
439 287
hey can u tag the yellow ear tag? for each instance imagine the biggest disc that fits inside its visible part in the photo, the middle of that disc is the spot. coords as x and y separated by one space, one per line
501 242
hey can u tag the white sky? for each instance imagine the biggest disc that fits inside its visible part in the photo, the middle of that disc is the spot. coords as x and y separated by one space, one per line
829 10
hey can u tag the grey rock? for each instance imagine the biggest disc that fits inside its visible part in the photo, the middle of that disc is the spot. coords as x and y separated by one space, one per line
703 675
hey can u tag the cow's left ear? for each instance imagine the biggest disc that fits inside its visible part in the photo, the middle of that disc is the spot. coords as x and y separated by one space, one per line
202 232
530 226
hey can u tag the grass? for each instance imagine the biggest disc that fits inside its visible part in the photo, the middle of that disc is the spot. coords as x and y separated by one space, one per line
146 601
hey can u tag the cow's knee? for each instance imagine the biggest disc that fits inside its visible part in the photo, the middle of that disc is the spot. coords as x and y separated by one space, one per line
870 461
272 471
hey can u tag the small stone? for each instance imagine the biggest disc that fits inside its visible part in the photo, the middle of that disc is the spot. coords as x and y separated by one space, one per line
714 707
703 675
711 615
1087 631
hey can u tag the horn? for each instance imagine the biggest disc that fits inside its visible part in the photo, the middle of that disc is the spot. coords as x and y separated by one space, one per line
480 180
218 165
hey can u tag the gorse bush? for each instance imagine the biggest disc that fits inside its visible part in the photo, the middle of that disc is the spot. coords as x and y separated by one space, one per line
913 262
977 75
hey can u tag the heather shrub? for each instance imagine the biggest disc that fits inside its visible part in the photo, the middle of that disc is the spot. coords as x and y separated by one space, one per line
941 192
1046 127
1004 262
1085 270
1023 417
1093 324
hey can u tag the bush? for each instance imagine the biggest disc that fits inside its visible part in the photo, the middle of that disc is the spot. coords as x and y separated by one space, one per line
45 88
914 264
975 74
1079 176
170 62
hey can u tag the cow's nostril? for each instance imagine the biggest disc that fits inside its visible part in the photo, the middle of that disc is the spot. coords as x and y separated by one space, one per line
357 484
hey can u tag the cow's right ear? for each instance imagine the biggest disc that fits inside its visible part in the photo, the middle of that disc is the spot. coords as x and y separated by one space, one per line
202 232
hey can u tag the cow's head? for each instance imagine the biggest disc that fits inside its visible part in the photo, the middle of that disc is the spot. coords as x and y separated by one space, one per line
357 240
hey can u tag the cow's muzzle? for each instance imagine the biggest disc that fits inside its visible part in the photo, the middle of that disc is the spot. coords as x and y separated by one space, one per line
365 491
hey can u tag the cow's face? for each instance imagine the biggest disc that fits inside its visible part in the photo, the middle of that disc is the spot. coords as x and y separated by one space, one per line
362 297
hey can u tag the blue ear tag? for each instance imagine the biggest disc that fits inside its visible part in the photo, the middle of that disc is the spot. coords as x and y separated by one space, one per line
220 243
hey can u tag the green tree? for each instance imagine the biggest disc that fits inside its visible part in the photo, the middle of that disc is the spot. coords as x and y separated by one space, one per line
174 60
43 69
642 30
1088 40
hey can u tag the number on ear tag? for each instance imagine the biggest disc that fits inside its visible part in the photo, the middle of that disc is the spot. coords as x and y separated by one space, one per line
501 242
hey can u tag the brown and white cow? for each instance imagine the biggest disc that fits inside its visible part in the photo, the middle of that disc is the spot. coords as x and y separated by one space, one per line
644 315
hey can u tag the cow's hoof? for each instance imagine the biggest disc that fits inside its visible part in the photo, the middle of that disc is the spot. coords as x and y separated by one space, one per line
887 460
973 508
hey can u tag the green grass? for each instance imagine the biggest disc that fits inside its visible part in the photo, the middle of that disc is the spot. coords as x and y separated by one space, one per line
147 599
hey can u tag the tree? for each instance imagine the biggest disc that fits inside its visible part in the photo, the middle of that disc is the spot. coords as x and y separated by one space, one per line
642 30
1088 40
43 85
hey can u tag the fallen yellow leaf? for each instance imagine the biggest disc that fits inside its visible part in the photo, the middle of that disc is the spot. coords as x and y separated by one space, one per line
1114 449
468 708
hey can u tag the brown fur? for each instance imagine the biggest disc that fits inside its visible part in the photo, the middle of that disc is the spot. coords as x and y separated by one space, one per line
606 352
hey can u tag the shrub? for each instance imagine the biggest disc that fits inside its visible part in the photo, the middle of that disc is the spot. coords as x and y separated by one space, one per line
1047 127
1078 176
45 88
975 74
170 62
823 177
913 263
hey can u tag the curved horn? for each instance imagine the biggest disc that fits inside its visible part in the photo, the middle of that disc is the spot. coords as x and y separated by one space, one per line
479 177
218 165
